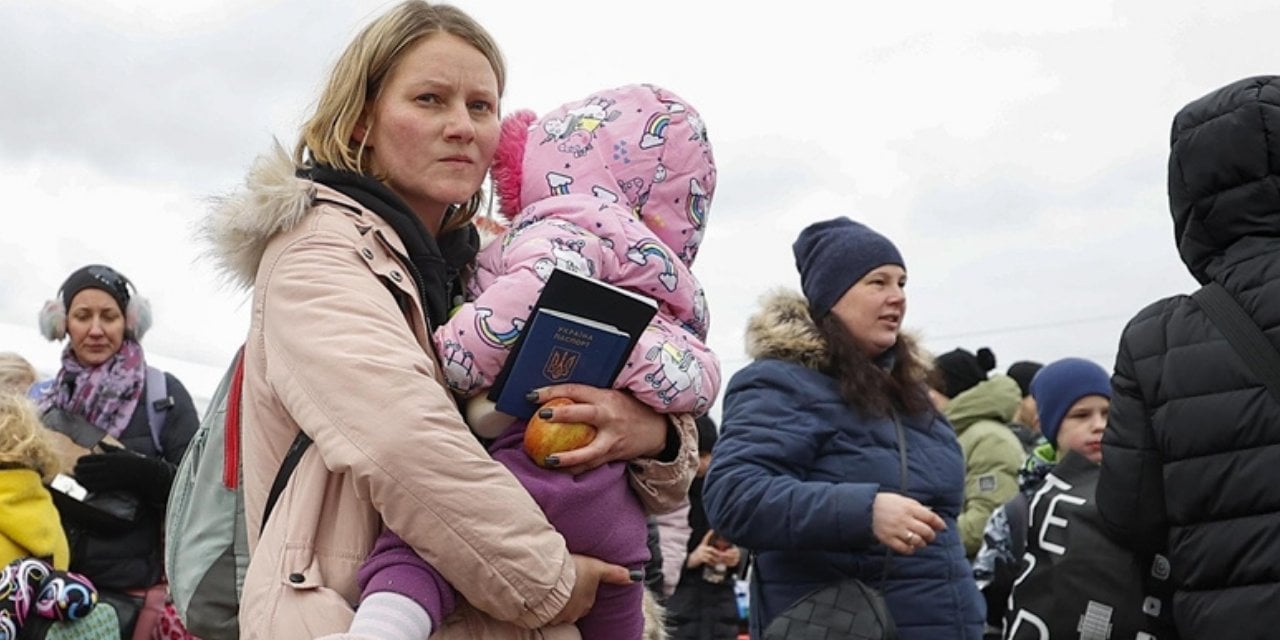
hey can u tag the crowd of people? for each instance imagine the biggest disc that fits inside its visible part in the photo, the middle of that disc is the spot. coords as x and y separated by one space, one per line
931 493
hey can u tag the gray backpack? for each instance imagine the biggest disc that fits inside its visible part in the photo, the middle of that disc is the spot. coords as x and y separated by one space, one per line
206 538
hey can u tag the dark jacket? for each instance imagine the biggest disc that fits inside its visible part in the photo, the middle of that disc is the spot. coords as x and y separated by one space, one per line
1077 577
1190 452
796 470
701 610
134 558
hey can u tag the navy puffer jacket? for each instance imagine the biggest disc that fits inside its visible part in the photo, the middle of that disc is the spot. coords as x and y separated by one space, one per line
796 470
1193 443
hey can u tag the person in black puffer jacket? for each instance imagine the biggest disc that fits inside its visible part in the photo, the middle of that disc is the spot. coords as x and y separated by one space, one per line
1194 437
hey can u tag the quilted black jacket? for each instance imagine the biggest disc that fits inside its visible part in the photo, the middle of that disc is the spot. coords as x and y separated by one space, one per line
1191 455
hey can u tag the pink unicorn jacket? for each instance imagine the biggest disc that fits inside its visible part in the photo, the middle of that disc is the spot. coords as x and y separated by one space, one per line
615 187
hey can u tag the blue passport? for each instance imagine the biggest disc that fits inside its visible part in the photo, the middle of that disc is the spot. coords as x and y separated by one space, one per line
581 330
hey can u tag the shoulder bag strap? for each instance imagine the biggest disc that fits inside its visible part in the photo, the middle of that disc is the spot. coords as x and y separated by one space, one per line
902 453
1244 335
902 470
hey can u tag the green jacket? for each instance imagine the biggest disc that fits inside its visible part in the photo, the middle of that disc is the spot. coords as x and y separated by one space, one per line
992 453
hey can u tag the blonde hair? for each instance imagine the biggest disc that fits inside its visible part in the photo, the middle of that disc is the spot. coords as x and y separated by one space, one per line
358 77
23 441
16 374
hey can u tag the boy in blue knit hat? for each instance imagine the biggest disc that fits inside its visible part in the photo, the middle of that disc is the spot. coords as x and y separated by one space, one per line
1077 576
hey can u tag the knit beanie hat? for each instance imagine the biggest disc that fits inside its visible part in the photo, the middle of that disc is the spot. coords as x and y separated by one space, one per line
833 255
96 276
962 370
1060 384
1022 372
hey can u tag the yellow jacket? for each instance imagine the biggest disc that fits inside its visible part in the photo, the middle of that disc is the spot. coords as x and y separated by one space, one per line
29 523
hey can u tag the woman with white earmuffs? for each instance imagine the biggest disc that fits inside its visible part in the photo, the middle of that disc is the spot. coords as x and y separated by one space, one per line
137 422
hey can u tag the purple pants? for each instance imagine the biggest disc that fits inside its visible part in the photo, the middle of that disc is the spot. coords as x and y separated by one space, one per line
596 512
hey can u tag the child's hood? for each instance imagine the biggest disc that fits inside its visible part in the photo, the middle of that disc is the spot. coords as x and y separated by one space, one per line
640 146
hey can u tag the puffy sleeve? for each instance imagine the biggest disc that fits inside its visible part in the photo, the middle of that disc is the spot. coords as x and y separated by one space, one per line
475 342
1130 492
662 483
755 492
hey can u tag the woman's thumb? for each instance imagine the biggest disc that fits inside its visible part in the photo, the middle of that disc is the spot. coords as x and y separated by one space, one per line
618 574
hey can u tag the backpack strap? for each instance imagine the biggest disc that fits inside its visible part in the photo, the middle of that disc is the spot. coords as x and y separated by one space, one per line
231 450
1016 512
1244 335
158 404
290 462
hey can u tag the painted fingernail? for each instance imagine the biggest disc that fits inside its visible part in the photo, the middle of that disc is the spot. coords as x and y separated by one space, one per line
636 575
551 461
532 396
545 414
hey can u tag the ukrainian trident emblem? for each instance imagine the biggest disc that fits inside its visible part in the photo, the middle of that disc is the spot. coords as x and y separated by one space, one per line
560 364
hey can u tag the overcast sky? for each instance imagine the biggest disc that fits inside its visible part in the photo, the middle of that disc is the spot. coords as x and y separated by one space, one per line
1015 151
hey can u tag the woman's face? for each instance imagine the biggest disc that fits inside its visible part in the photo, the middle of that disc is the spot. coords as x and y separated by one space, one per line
873 308
434 128
96 326
1082 427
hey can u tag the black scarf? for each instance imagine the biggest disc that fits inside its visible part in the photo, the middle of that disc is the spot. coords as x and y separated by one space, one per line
437 263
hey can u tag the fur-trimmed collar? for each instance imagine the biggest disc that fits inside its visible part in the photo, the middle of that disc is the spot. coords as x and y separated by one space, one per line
784 330
273 199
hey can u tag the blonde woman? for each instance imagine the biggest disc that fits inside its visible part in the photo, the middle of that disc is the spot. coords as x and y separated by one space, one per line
354 248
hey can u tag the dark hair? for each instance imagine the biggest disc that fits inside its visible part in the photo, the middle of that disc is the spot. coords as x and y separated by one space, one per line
864 385
708 434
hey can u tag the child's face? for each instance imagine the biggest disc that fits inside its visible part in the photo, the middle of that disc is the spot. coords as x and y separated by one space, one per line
1082 427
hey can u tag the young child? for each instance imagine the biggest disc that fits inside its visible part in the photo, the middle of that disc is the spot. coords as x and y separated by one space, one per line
1078 579
33 548
615 187
16 373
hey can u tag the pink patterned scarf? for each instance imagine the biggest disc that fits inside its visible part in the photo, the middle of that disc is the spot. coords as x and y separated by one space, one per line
105 395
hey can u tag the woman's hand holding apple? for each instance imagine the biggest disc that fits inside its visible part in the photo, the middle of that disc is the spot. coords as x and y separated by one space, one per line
626 428
544 437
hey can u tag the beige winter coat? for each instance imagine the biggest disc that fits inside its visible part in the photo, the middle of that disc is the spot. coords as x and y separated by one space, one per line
330 352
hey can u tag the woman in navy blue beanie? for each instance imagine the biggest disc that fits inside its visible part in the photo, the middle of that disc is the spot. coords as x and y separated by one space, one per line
808 472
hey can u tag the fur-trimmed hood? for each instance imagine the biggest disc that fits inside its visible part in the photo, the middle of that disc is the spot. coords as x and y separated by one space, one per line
236 230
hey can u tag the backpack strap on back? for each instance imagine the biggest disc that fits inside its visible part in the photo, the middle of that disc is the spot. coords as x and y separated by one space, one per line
158 404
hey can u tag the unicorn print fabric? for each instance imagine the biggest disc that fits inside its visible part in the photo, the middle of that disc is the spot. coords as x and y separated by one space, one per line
617 187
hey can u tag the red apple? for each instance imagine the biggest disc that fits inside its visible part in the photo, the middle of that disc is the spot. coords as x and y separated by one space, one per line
543 438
